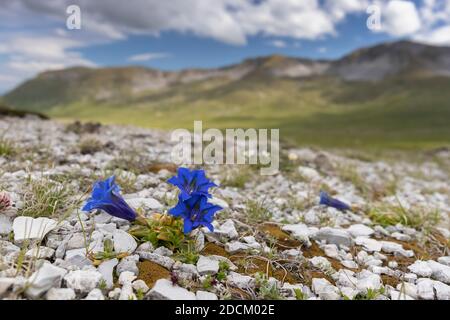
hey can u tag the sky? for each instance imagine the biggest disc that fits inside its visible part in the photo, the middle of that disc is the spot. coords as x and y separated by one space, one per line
179 34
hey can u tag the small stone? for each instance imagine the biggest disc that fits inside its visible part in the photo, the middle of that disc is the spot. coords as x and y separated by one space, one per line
31 228
321 263
299 231
370 281
236 246
370 245
442 290
408 288
240 281
106 269
166 262
350 293
123 242
227 229
335 236
425 289
400 236
40 253
83 281
440 271
444 260
349 264
95 294
331 250
127 292
140 285
5 284
360 230
205 295
5 225
392 264
163 251
128 263
165 290
421 268
46 277
396 295
206 265
60 294
145 203
126 278
308 173
325 290
114 294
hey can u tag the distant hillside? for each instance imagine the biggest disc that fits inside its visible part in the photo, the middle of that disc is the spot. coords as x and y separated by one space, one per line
393 94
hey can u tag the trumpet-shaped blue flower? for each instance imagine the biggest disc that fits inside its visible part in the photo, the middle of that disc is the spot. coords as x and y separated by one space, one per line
191 182
329 201
196 212
106 196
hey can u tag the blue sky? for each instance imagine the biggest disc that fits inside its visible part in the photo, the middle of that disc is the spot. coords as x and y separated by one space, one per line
178 34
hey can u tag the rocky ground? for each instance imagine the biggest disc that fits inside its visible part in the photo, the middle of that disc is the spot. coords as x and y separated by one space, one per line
272 240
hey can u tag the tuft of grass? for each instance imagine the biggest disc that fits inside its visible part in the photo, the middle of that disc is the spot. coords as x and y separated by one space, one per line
256 211
267 290
371 294
418 218
187 253
238 179
46 198
89 146
6 148
299 295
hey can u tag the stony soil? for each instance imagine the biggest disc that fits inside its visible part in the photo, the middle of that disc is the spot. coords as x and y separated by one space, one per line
272 240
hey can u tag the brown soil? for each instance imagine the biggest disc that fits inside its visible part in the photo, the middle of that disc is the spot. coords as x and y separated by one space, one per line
150 272
252 265
156 167
284 239
314 251
389 280
214 249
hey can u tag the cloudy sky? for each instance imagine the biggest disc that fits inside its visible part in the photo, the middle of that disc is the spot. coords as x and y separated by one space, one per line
176 34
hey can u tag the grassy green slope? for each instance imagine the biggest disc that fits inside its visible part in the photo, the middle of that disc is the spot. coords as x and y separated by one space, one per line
393 113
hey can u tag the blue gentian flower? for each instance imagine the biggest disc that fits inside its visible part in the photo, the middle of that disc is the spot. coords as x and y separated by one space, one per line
106 196
196 212
191 182
329 201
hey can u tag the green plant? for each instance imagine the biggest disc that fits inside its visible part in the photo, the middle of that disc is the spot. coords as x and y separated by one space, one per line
224 267
161 230
89 146
6 148
256 211
140 294
238 179
208 282
102 285
46 198
267 290
419 218
299 295
187 253
370 294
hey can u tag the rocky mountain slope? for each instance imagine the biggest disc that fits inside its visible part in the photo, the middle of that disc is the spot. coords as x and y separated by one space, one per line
376 63
272 240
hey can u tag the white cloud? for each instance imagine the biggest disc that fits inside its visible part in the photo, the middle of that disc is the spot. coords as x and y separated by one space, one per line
278 43
400 18
439 36
28 55
148 56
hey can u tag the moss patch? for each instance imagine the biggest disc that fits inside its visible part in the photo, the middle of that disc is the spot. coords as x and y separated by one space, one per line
150 272
254 265
214 249
284 240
